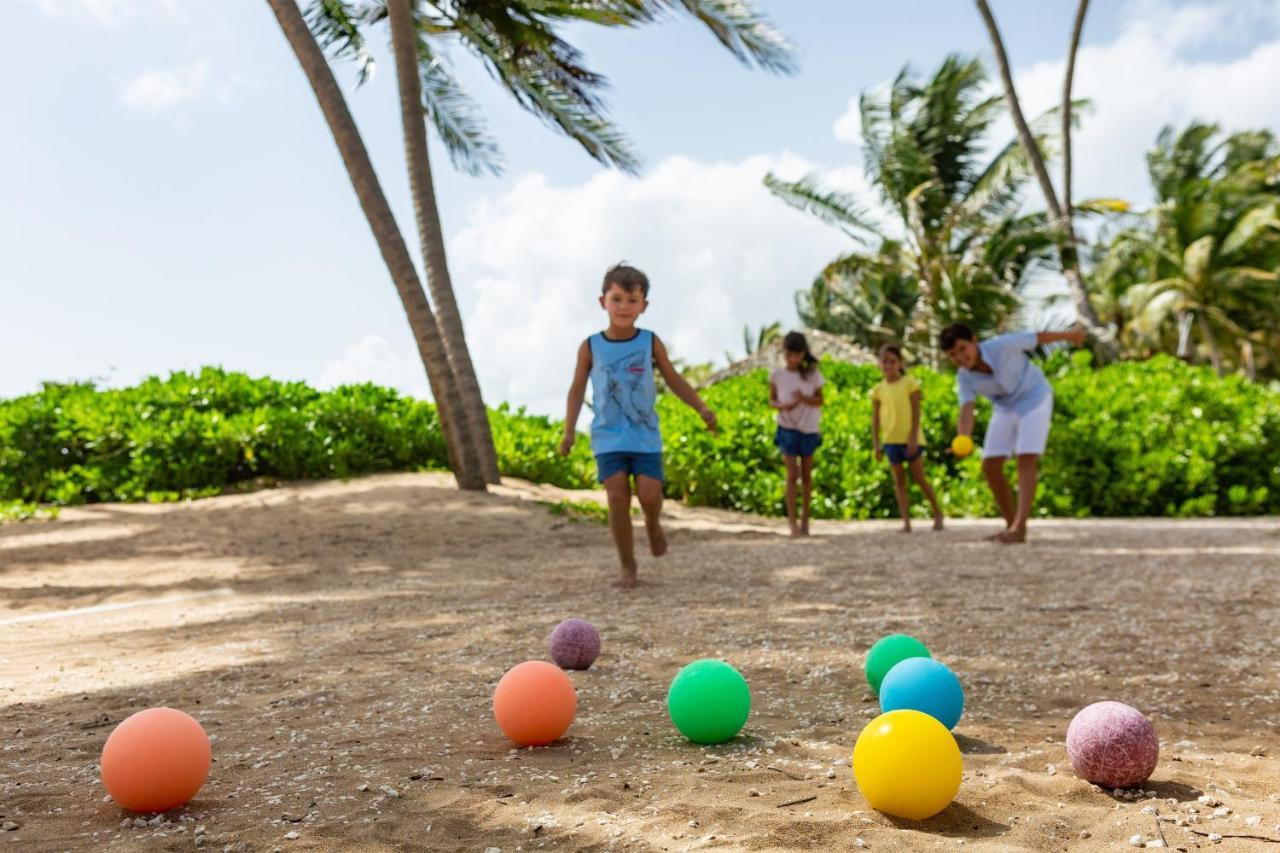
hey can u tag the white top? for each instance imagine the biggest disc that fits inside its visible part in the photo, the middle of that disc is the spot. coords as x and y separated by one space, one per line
804 417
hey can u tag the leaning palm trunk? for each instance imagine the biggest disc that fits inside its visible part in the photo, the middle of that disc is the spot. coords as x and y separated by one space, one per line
390 243
1060 215
431 237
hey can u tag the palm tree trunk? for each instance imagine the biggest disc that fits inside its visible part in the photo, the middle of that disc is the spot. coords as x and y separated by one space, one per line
1066 245
1210 342
431 237
387 234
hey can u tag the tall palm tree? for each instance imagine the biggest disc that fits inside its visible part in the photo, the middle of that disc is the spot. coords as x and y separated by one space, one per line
519 45
1204 263
1061 212
395 254
960 247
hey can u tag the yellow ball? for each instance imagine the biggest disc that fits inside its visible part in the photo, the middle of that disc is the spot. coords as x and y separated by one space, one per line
962 445
907 764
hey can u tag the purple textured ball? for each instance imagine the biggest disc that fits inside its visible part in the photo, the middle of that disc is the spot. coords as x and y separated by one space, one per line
1112 745
574 644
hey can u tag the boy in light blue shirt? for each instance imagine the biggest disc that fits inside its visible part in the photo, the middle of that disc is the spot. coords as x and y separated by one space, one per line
1001 370
620 364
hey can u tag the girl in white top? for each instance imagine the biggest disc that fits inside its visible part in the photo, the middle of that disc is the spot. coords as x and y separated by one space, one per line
796 392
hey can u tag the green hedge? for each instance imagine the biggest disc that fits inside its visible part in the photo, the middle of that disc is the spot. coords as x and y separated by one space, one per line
1149 438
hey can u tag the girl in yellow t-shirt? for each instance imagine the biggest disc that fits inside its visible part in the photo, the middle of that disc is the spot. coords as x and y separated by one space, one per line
895 431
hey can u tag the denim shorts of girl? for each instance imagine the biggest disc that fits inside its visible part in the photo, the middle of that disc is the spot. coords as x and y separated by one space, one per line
898 455
793 442
634 464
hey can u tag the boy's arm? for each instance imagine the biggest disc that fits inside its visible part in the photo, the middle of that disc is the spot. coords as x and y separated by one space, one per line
875 427
964 423
1073 336
577 392
679 385
913 437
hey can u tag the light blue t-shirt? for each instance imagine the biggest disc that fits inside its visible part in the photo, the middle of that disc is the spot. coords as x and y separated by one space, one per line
623 396
1015 382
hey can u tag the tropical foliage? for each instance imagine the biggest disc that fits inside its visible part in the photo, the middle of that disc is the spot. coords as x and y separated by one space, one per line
947 237
1153 438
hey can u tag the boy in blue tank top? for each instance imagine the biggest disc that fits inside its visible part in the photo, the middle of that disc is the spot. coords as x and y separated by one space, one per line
624 430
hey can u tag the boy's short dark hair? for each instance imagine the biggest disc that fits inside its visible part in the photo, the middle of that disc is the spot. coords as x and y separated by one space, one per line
628 278
954 333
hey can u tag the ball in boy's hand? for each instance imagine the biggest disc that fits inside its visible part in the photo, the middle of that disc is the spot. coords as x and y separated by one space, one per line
709 701
574 644
1113 745
887 653
534 703
962 445
155 760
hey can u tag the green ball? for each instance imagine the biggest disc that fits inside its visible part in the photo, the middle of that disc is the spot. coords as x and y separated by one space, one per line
887 653
709 701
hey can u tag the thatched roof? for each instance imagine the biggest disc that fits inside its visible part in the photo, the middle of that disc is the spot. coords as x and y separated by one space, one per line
822 344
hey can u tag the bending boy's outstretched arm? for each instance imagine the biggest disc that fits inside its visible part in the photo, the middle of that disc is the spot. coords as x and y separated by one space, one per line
577 392
964 423
1072 336
680 386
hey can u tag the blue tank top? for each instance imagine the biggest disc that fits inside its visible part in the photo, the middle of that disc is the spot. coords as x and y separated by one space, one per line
623 396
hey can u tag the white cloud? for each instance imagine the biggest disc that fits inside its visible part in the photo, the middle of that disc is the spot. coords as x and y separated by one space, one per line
161 89
1162 69
375 360
107 13
719 250
1167 65
848 125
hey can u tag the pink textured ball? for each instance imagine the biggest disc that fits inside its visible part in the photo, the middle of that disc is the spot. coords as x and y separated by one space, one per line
574 644
1112 745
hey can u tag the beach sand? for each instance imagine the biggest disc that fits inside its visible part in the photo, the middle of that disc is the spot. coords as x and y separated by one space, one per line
340 642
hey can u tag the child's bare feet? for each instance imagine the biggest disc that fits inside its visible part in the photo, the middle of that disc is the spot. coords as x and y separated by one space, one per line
1013 536
996 537
657 537
627 580
937 523
804 529
906 527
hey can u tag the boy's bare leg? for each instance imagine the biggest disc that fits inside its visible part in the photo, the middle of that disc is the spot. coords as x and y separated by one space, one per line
993 467
917 473
649 491
900 492
793 477
1028 471
618 489
806 484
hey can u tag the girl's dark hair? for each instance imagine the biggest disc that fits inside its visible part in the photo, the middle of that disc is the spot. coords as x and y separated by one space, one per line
795 342
896 350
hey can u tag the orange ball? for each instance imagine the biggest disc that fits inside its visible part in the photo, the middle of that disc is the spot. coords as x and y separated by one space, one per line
156 760
534 703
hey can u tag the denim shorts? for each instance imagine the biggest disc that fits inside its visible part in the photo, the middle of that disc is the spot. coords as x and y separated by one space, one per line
637 464
793 442
897 453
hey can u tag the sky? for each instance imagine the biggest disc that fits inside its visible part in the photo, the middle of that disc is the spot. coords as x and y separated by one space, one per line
170 196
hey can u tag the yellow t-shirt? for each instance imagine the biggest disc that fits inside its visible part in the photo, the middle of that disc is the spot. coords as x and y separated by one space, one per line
895 409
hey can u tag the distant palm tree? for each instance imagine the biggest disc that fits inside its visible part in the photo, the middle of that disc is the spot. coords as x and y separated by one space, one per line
1204 263
519 46
964 249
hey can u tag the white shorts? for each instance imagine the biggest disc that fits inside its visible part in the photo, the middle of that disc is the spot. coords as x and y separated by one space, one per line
1012 434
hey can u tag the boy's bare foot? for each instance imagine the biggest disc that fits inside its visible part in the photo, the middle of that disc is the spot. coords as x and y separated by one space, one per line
627 580
906 528
795 532
804 529
937 523
657 537
997 537
1013 536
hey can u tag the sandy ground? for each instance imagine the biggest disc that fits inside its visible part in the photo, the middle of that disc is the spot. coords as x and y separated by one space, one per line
340 643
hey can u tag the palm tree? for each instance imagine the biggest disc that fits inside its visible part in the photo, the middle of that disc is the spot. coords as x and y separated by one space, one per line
462 453
1204 263
964 248
1061 213
518 44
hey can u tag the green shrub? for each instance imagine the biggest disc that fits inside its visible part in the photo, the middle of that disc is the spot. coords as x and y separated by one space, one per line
1149 438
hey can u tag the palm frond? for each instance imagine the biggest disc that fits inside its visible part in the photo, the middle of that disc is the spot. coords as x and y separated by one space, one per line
336 27
744 31
455 116
836 208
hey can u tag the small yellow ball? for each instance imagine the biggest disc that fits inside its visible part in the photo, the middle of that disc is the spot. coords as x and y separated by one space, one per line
962 445
907 765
